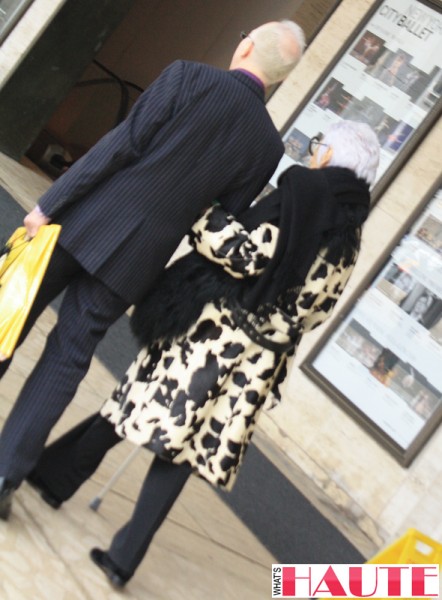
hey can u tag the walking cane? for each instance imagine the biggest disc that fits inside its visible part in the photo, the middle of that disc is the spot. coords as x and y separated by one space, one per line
95 503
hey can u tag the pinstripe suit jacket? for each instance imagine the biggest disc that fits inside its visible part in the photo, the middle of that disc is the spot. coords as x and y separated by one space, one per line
196 134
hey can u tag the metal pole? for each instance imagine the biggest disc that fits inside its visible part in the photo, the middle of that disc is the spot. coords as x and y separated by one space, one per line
95 503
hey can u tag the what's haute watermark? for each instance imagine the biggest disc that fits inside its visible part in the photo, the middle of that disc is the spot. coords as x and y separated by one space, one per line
355 581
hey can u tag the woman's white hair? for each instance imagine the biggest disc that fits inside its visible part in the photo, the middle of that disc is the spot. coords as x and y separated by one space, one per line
355 146
278 48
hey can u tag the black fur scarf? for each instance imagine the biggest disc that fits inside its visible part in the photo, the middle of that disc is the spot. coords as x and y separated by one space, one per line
179 296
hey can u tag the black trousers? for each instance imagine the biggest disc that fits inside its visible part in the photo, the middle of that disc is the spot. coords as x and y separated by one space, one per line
71 460
87 311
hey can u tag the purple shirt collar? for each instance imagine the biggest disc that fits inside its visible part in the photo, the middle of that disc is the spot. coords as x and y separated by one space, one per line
252 76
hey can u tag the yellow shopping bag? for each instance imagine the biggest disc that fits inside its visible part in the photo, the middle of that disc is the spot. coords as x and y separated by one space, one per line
22 268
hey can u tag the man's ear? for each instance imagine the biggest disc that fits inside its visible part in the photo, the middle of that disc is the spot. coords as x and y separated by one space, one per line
326 157
247 47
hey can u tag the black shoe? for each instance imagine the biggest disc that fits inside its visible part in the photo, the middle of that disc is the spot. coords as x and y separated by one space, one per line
7 490
45 492
115 575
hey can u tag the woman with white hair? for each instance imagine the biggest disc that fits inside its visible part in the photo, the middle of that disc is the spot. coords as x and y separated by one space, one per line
216 335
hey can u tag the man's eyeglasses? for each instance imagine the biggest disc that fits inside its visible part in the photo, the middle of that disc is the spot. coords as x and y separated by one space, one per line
315 142
243 35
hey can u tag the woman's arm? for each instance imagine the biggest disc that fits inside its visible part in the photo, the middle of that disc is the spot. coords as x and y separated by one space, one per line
222 239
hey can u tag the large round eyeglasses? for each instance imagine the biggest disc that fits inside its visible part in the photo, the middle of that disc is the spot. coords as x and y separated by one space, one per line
314 142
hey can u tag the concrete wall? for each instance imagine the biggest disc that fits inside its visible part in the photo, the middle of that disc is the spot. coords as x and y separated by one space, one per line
342 470
50 66
24 34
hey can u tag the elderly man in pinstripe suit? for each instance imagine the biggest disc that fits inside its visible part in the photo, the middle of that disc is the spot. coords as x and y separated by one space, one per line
196 134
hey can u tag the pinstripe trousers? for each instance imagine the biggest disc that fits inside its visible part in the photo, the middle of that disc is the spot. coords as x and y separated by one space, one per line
88 309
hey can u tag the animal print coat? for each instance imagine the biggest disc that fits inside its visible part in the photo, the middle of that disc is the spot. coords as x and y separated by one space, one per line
198 398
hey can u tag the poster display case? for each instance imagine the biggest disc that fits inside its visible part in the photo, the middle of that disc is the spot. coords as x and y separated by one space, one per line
382 362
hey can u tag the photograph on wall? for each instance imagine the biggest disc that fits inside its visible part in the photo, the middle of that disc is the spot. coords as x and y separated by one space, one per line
390 77
384 359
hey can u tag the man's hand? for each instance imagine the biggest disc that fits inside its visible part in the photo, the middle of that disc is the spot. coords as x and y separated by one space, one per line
34 220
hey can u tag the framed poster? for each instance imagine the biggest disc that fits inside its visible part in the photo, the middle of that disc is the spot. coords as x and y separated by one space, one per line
10 12
383 361
389 76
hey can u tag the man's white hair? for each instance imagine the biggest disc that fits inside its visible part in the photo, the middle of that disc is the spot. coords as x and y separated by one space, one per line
278 49
355 146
